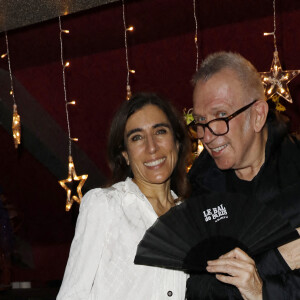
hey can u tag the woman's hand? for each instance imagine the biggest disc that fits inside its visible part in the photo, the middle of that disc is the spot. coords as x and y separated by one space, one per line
242 273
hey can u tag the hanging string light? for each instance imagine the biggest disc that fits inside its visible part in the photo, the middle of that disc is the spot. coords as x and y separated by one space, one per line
197 146
196 35
130 28
276 80
16 122
73 183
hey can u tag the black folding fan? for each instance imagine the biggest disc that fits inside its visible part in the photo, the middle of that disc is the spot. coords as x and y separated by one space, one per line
205 227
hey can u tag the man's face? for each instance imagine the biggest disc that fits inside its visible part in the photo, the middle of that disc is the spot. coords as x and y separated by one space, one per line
219 97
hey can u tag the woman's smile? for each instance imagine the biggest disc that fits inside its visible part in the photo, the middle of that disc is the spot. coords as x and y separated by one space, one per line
151 150
155 163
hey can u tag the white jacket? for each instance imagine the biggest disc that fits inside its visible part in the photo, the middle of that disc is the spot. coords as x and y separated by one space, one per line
111 223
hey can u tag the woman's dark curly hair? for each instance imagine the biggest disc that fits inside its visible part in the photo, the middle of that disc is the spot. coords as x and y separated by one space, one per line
116 144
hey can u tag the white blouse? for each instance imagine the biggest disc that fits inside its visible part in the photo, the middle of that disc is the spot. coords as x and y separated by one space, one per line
111 223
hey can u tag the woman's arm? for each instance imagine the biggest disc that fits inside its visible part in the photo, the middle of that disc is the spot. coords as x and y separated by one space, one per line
87 247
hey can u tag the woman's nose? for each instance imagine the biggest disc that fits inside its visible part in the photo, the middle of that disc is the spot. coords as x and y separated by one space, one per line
152 145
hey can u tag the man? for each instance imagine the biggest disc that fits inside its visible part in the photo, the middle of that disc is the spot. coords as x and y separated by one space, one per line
247 151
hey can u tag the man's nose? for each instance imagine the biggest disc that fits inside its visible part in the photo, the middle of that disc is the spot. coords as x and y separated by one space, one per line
208 136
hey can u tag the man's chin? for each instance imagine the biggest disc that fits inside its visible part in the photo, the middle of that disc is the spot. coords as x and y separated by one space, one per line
223 164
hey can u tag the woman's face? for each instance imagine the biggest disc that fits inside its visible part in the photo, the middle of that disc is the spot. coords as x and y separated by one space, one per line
151 150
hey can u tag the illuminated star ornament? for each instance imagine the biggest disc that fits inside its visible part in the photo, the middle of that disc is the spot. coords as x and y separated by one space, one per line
16 122
73 193
73 184
276 80
16 127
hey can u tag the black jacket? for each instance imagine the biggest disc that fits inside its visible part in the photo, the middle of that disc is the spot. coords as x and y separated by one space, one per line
277 184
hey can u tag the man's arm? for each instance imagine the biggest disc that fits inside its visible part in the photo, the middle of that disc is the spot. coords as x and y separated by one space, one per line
285 285
282 286
244 275
291 253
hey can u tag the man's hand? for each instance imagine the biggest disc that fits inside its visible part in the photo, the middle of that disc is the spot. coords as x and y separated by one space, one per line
242 273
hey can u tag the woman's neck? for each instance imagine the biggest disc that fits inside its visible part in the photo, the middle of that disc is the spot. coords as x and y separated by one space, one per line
159 195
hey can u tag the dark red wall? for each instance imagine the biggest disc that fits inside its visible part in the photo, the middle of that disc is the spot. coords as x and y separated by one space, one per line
162 52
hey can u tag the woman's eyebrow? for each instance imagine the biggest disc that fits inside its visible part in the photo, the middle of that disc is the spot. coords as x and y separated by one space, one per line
161 125
130 132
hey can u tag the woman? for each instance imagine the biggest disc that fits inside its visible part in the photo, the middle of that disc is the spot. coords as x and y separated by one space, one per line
148 149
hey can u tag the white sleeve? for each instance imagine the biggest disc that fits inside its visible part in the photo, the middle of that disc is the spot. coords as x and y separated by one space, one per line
87 247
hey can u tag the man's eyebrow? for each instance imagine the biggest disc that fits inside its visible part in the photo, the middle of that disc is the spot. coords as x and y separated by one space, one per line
213 110
220 108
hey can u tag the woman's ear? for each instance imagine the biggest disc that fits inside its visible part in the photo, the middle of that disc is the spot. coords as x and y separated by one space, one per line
125 155
261 112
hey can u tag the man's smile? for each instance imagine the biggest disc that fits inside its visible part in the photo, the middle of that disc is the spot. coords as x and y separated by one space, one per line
218 149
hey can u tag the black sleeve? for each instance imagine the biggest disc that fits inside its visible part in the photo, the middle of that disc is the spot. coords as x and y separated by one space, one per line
279 281
284 286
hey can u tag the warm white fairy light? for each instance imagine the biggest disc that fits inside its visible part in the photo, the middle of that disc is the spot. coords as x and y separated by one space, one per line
71 103
276 80
64 65
196 35
72 177
200 147
16 122
131 28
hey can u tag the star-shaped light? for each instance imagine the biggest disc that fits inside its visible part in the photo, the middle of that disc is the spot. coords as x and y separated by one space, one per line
67 182
16 127
276 80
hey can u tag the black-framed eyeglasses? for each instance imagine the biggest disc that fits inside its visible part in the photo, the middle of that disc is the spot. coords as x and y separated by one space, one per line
218 127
